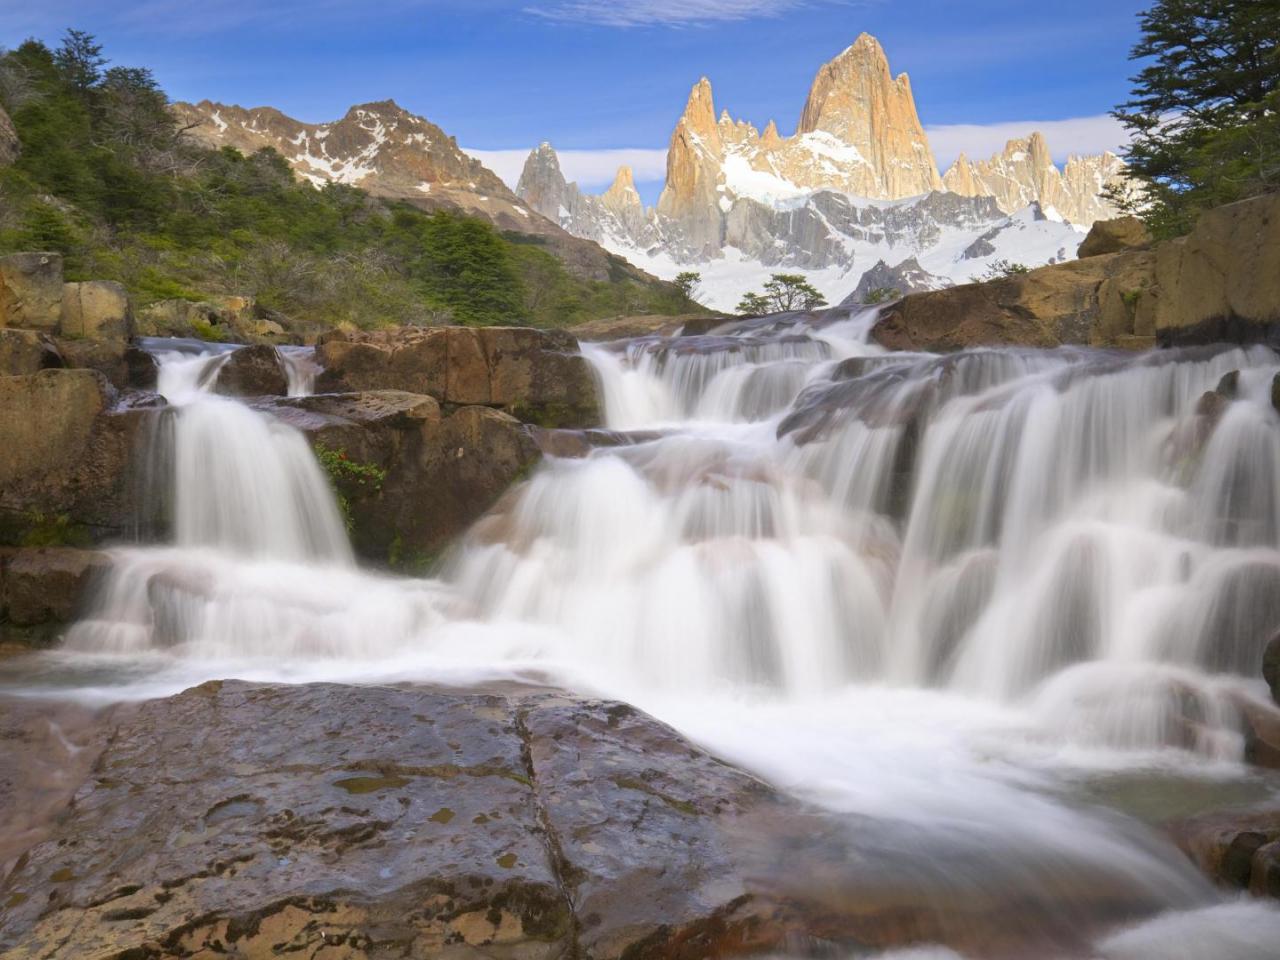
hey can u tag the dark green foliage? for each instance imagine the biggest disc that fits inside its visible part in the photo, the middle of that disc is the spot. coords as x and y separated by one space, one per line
1000 269
783 292
882 295
1205 110
349 478
107 179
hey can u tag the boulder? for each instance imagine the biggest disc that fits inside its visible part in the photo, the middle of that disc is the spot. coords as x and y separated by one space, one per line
1113 236
45 588
97 310
538 376
10 145
254 371
69 450
27 351
124 365
31 291
1098 300
1238 848
248 820
1222 280
441 473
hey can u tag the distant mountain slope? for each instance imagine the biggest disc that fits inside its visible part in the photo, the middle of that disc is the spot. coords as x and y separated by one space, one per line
389 152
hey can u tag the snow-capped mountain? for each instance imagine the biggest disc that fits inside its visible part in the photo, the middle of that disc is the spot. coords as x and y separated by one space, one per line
855 186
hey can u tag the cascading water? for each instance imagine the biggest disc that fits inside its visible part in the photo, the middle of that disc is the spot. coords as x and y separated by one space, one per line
962 595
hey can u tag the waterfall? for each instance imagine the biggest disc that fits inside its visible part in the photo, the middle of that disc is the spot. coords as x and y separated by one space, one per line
954 593
255 530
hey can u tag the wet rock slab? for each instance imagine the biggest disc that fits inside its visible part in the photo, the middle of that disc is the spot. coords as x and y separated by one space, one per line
242 820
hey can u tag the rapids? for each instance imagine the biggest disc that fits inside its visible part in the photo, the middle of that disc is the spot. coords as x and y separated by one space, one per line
1009 603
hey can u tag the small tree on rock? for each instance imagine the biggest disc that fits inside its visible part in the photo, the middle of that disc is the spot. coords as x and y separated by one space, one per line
688 283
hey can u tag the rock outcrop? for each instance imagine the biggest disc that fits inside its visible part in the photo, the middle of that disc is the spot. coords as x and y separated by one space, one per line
512 822
31 291
1025 173
10 145
1221 282
69 451
1237 848
537 376
1113 236
96 310
442 472
42 589
1081 301
254 371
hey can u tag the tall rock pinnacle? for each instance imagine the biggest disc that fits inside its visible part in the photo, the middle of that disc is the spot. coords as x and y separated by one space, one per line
855 99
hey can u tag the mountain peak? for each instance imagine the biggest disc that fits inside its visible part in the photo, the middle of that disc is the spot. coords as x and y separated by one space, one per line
855 99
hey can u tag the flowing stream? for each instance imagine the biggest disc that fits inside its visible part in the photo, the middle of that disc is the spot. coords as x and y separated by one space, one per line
1009 603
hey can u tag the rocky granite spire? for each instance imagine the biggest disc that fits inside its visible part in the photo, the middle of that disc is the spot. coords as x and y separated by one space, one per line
1024 172
542 186
855 99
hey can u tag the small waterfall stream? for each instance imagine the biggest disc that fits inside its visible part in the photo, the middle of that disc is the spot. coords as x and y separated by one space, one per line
966 595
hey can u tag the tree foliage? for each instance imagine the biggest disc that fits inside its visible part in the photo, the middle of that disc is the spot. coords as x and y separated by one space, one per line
1205 108
783 292
106 178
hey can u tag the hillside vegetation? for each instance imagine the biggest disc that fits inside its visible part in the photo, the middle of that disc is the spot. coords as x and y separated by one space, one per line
107 179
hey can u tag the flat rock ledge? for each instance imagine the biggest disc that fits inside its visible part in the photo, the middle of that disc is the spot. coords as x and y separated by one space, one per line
333 821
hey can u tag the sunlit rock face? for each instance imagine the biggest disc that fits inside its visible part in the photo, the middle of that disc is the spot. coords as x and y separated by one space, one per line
1024 172
855 185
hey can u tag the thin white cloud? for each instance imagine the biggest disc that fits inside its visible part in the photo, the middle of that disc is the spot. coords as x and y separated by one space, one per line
645 13
1085 135
593 170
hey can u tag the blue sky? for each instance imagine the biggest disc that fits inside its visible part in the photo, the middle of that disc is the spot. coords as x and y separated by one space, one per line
595 77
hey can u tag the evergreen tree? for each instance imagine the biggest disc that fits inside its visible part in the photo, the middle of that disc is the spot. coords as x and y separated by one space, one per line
1204 110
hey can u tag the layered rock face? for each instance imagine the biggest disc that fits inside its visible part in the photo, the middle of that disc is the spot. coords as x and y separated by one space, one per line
1221 282
616 217
1025 172
538 376
389 152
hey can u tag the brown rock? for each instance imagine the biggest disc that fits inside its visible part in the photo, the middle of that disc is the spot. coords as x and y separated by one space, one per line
441 473
25 352
536 375
467 371
31 291
1097 300
511 822
252 372
96 309
1222 280
43 585
68 451
1238 848
1113 236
